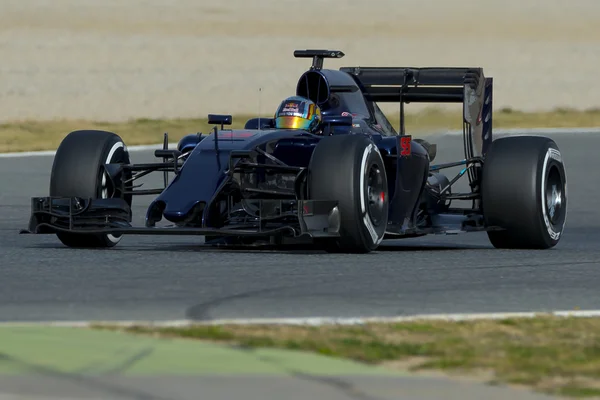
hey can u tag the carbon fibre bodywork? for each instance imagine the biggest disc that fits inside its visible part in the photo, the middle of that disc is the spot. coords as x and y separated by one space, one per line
251 182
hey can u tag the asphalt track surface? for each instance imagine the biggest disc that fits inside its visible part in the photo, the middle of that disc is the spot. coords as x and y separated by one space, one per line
177 277
166 278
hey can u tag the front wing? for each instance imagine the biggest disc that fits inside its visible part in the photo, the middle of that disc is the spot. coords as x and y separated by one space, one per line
49 215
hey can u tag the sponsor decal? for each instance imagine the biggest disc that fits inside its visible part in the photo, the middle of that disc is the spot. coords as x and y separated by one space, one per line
307 209
291 108
405 145
555 155
353 115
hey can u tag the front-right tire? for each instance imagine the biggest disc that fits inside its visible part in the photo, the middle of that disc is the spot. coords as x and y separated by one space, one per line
524 192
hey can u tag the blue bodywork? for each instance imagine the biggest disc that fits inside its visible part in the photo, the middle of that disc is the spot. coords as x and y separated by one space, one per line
204 171
203 174
191 197
252 182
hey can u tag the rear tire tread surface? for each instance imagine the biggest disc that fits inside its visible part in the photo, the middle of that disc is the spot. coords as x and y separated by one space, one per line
524 191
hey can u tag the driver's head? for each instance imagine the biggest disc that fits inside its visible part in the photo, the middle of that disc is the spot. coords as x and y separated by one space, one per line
298 113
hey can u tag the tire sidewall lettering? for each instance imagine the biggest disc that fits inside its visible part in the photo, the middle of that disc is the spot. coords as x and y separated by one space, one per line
376 238
109 157
552 157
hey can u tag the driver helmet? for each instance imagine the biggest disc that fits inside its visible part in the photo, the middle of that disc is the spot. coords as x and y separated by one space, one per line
298 113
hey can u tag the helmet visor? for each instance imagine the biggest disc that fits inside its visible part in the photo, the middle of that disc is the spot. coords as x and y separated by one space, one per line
290 122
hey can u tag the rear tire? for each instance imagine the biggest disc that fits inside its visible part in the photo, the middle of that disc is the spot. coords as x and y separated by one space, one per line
77 172
524 190
350 169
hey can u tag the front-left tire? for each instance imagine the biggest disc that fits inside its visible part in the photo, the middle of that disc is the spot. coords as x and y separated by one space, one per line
349 169
77 171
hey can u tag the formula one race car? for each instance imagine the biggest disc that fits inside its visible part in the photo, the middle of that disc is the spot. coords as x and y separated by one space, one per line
346 188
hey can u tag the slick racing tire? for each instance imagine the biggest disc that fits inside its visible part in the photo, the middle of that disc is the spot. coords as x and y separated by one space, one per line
350 169
77 172
524 191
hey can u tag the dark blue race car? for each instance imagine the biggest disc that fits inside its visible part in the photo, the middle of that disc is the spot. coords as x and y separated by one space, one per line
345 185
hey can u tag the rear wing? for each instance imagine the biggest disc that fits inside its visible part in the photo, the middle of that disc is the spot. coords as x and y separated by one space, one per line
403 85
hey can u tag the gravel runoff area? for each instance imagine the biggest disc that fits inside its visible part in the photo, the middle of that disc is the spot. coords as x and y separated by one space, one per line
115 59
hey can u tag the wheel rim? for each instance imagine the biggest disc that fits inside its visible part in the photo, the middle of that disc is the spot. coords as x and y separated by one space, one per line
104 187
113 156
376 195
554 196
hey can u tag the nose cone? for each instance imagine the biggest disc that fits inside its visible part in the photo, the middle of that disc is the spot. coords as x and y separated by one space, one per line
176 213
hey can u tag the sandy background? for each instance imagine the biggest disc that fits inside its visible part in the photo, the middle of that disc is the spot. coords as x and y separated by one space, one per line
116 59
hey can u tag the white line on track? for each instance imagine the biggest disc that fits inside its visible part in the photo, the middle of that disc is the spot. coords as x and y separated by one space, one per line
317 321
145 147
533 131
517 131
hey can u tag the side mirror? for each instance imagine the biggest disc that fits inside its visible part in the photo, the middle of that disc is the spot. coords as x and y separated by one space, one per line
218 119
